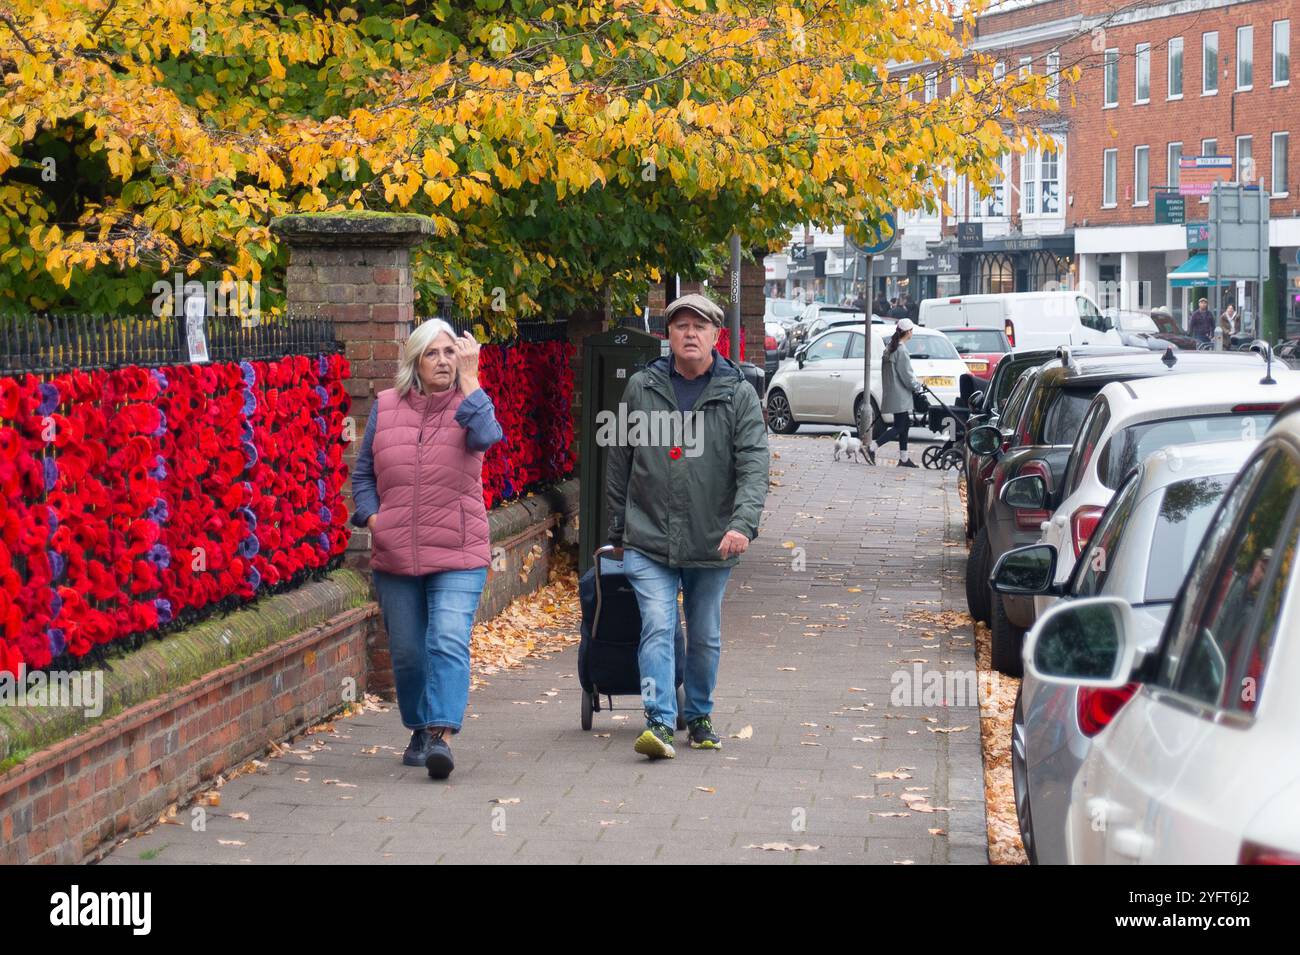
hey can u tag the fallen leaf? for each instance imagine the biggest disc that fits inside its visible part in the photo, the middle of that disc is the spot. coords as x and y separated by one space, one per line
706 789
896 774
501 801
230 842
746 732
242 816
783 847
890 814
947 729
788 669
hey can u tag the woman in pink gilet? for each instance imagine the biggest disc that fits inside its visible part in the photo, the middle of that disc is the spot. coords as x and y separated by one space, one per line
417 487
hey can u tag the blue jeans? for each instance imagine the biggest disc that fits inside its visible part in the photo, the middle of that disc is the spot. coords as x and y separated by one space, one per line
656 587
429 620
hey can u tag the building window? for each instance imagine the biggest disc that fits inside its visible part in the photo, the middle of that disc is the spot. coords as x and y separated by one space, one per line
1245 57
994 205
1110 77
1026 66
1054 74
1281 150
1142 74
1176 68
1209 63
999 70
1245 160
954 84
995 273
1108 175
1040 183
931 87
1141 175
1175 155
1281 52
1045 267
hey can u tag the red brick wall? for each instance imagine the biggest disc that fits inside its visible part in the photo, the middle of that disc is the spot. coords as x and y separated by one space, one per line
72 800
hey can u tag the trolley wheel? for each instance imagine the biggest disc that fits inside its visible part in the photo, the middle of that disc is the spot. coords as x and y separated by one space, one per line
681 705
951 460
930 457
586 710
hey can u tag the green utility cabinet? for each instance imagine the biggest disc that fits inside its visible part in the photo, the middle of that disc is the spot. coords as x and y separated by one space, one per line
609 359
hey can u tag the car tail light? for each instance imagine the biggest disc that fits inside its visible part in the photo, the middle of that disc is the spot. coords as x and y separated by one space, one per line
1027 520
1010 329
954 301
1265 408
1097 706
1252 853
1082 523
769 343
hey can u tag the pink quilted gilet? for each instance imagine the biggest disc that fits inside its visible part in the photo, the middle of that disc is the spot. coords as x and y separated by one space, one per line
431 513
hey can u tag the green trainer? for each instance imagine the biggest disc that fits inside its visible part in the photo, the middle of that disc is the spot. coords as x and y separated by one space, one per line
656 742
702 735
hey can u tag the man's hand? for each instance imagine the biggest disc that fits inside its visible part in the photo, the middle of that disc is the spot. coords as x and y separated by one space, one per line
733 543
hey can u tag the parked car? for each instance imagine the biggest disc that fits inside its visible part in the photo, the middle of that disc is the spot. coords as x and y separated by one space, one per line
1141 552
1126 422
1029 319
980 348
824 384
1152 329
1039 444
775 346
783 310
986 408
817 317
1199 765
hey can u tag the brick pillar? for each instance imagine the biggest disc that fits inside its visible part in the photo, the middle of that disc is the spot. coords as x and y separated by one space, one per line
753 305
357 270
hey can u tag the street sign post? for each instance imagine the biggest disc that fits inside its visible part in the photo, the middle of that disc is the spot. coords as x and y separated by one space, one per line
1238 242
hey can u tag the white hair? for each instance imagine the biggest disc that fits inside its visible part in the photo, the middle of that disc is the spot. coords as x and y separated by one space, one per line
408 375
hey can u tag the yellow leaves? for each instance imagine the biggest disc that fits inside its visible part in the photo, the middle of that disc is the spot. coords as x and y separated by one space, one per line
275 66
437 191
586 56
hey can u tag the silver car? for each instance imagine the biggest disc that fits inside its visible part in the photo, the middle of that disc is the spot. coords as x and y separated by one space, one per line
1140 551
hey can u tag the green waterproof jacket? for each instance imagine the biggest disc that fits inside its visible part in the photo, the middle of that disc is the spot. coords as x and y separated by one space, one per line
675 486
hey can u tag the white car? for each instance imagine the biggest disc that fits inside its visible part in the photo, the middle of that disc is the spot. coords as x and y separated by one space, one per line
1127 420
1202 763
824 384
1141 551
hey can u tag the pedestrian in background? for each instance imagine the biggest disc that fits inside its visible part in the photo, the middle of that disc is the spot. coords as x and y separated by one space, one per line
898 388
1201 323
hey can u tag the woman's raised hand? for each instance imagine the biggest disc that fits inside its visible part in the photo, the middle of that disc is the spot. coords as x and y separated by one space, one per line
467 349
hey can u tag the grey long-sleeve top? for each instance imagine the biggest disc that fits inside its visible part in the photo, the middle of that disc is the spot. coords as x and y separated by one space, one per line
475 414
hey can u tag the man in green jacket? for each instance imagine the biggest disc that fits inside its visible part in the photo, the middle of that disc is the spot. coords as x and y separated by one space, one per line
687 479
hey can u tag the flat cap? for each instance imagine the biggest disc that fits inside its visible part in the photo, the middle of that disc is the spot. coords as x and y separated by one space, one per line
696 303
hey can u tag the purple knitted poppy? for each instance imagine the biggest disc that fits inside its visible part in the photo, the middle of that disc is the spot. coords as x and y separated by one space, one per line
249 373
323 395
164 608
158 511
52 520
249 517
57 564
159 469
250 403
250 453
51 473
320 458
58 641
159 555
320 423
162 424
49 399
159 377
254 578
322 365
56 604
323 541
248 547
320 489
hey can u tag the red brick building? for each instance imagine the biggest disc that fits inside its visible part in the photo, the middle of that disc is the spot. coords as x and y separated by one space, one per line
1160 81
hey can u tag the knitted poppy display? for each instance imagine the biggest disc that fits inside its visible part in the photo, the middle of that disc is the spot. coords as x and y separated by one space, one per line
134 500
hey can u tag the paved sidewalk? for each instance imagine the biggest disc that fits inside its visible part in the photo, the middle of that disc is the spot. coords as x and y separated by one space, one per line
807 661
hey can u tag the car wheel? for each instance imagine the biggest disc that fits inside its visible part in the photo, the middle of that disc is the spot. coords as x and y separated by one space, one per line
1007 640
779 417
1020 779
977 584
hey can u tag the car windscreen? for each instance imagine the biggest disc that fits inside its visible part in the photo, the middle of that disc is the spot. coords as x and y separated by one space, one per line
1062 415
783 308
1135 322
922 347
1130 445
976 340
1185 512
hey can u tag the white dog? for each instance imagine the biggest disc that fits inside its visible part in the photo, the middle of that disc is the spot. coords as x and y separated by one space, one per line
847 444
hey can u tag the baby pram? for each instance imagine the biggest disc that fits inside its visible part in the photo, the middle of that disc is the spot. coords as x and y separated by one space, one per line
611 635
951 423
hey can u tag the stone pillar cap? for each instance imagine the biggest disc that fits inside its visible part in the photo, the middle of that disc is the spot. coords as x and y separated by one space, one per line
352 229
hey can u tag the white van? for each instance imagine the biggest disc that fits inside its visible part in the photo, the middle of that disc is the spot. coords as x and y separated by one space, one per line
1030 319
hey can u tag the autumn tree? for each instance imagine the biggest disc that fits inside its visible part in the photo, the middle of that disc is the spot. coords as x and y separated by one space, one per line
564 150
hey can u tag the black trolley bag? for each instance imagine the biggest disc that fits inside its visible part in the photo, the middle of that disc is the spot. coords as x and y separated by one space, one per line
611 636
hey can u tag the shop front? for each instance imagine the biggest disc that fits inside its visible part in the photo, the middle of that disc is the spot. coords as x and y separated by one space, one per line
1017 264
